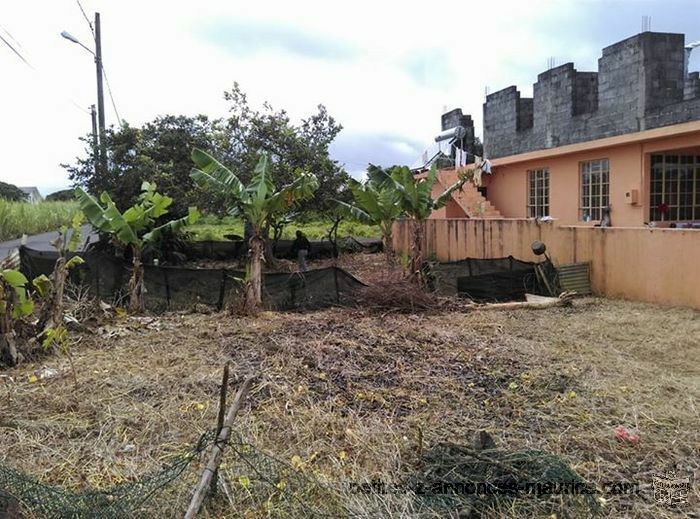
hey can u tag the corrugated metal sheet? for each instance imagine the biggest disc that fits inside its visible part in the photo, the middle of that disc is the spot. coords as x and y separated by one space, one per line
575 277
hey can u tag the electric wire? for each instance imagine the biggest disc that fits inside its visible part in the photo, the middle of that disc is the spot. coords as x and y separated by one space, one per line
34 69
104 70
12 48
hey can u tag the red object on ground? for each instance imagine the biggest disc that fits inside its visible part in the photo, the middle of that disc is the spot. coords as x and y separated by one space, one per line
622 433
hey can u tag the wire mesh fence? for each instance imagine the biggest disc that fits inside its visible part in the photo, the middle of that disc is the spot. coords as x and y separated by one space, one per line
447 480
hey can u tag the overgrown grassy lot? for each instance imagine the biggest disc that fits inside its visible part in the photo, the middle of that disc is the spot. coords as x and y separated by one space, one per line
348 396
216 229
17 218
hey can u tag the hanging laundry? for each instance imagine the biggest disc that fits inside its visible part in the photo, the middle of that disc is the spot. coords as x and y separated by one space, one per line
460 158
477 176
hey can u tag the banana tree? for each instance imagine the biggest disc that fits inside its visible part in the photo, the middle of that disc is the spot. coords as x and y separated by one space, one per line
259 203
417 202
375 204
14 304
51 289
134 228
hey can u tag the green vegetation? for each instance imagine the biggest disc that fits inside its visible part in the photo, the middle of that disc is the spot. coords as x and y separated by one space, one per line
159 151
129 228
63 195
375 204
15 303
259 202
11 192
17 218
212 228
417 203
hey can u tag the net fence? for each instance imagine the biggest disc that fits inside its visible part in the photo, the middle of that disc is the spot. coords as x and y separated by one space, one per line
22 495
492 279
446 480
182 288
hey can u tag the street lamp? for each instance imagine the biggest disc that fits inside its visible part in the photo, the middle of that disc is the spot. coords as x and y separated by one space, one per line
97 54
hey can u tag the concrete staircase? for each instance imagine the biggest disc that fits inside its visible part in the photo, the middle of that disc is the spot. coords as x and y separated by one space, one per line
473 203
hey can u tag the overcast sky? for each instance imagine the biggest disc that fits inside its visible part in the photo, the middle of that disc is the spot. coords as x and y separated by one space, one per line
385 70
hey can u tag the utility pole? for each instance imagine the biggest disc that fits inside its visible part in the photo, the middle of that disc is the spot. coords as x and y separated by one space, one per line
95 144
100 94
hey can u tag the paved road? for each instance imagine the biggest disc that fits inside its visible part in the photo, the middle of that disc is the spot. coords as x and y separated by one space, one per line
43 241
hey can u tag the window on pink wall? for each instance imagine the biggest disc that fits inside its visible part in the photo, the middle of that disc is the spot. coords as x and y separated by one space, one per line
538 193
674 187
595 189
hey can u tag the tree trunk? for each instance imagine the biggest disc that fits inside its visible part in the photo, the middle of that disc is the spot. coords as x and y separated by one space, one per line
136 300
51 315
8 351
416 265
269 248
388 246
333 236
253 290
59 284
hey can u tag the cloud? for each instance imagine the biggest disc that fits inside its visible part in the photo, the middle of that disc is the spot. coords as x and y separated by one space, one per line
430 67
358 149
246 37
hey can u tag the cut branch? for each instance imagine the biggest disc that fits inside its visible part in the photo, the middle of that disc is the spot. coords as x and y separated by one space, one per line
217 451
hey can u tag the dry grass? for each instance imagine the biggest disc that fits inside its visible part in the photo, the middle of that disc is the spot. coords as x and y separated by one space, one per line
345 394
399 295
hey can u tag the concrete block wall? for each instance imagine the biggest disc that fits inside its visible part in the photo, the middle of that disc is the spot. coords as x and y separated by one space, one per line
508 121
691 88
456 118
662 68
553 103
639 85
525 109
585 93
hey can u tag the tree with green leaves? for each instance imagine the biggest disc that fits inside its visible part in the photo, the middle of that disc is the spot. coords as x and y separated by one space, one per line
416 199
64 195
376 203
15 303
158 151
134 228
291 146
258 203
11 193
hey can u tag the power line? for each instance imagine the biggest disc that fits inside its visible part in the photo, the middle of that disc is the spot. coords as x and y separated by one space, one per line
10 36
111 97
104 71
92 29
30 65
19 55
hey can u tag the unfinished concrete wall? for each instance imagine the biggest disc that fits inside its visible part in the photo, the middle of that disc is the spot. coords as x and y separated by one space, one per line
456 118
691 88
639 85
654 265
508 121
